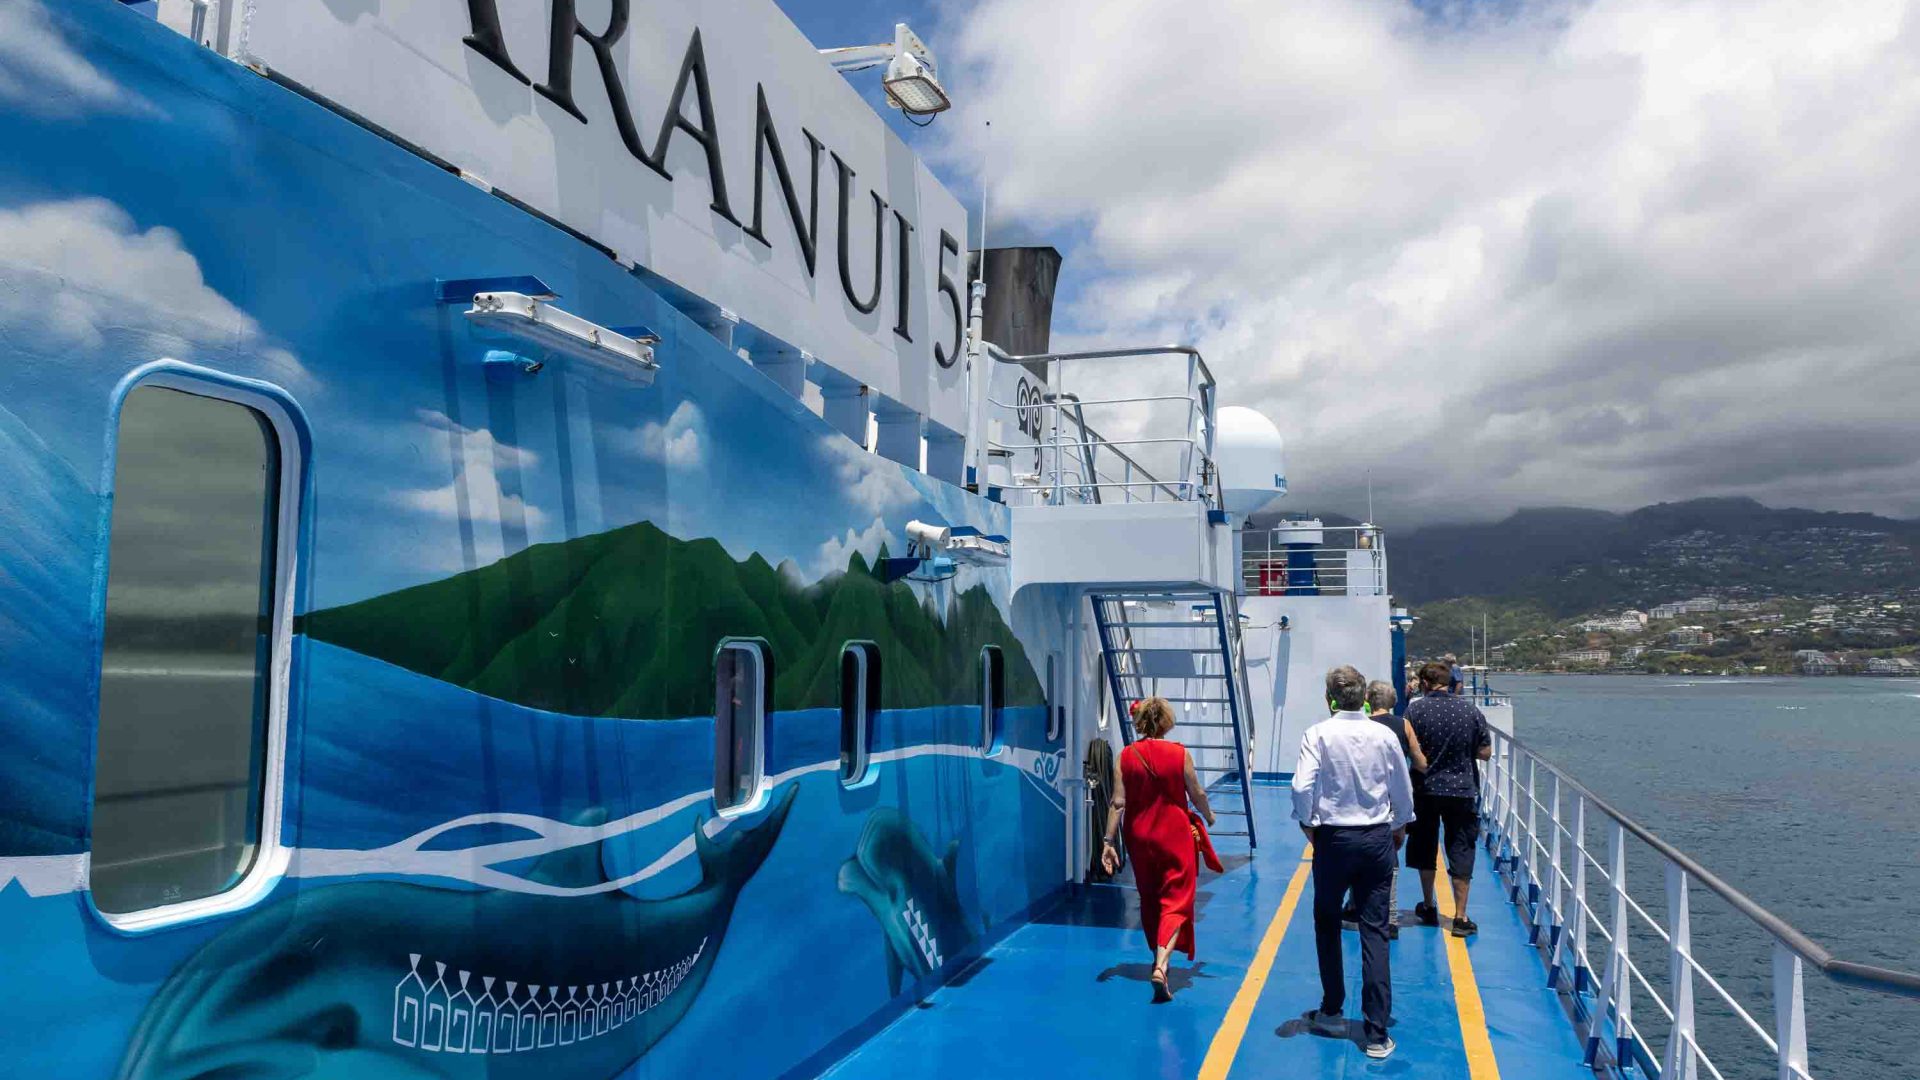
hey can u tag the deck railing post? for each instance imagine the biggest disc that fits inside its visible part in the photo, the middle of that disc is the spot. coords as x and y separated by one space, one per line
1681 1062
1497 806
1582 975
1489 800
1616 984
1554 922
1790 1013
1533 851
1513 824
1510 804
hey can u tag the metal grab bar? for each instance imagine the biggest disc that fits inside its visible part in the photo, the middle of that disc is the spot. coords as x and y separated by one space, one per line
1556 907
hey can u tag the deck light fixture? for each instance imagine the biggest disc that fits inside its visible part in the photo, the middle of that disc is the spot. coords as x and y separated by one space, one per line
563 333
911 83
936 552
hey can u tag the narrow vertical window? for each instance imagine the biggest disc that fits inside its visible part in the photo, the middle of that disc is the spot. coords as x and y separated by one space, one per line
993 692
1056 712
859 704
739 723
186 686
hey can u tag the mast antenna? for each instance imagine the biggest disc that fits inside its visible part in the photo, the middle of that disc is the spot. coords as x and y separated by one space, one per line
986 153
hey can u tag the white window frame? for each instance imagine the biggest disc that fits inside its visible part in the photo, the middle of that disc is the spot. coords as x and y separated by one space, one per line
868 657
272 856
992 662
757 772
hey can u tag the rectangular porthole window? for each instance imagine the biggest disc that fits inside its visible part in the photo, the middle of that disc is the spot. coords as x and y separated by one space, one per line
739 723
186 792
859 704
1056 712
993 693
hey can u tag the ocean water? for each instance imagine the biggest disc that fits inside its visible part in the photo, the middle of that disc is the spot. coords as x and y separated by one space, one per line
1804 794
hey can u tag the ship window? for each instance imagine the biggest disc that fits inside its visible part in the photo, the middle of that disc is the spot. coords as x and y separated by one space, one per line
859 703
993 693
181 777
1056 712
739 723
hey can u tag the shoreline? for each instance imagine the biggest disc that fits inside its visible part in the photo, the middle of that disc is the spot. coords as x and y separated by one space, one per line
1703 674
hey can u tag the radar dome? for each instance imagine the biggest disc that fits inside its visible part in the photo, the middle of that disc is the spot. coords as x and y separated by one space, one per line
1251 457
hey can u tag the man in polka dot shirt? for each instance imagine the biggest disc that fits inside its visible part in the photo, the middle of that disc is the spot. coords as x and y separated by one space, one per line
1453 732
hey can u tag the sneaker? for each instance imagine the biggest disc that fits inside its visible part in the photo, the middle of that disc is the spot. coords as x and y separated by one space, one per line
1465 928
1383 1048
1426 914
1323 1023
1393 931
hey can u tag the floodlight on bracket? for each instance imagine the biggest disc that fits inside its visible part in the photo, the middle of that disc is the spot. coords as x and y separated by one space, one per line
911 81
936 552
556 332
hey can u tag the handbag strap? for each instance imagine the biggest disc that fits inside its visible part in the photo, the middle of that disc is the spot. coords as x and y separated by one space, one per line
1144 763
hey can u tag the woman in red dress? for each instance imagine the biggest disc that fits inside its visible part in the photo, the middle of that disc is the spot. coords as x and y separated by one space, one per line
1157 782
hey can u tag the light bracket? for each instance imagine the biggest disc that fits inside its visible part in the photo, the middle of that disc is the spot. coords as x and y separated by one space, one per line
562 333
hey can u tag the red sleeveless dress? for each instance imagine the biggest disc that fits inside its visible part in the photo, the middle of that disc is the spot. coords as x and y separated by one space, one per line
1160 841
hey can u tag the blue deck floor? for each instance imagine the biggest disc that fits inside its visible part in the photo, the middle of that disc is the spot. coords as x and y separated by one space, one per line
1068 996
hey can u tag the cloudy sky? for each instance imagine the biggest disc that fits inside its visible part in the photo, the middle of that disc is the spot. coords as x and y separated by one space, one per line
1501 254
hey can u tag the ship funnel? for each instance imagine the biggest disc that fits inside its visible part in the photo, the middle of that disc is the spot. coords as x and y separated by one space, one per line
1018 313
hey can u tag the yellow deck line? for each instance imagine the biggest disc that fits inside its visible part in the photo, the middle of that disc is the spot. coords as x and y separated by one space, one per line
1466 994
1233 1028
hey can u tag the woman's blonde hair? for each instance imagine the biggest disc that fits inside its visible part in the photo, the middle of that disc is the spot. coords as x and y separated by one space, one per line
1152 718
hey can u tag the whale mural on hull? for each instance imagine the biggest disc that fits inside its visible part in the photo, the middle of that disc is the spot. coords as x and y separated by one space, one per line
912 894
388 979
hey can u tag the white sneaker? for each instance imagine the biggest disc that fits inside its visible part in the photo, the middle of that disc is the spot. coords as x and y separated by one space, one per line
1381 1049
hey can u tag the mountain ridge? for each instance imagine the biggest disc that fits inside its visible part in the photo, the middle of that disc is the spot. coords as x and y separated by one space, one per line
1573 559
624 623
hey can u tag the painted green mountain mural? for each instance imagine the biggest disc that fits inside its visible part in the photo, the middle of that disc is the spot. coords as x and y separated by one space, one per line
625 623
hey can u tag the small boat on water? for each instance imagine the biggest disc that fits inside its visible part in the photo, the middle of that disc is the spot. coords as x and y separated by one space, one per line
533 547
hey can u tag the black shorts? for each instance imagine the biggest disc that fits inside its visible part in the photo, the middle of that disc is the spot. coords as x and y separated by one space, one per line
1461 815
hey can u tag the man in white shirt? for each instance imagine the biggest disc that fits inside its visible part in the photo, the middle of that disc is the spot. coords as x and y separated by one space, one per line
1354 800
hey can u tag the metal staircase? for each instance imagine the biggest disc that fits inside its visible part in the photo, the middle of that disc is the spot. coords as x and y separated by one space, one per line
1184 645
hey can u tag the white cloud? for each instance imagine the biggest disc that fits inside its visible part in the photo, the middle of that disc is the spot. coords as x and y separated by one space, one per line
482 459
73 271
676 443
40 72
1509 254
835 552
874 484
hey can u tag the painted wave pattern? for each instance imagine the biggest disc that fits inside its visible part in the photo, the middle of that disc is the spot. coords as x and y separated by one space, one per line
443 1018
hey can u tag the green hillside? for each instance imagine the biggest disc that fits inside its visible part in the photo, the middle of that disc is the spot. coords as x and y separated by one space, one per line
624 623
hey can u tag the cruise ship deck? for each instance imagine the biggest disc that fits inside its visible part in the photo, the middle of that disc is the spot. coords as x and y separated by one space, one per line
1067 995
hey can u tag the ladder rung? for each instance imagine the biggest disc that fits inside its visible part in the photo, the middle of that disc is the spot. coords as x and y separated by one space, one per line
1189 625
1216 768
1210 746
1223 812
1203 723
1210 833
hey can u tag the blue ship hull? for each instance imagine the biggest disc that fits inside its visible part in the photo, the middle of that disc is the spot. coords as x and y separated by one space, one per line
164 211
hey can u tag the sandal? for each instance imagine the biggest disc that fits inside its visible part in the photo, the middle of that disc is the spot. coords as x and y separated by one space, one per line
1162 993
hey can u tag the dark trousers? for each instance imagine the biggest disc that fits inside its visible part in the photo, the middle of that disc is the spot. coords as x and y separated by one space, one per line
1357 858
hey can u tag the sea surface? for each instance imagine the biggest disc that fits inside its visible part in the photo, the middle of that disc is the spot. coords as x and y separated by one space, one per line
1802 793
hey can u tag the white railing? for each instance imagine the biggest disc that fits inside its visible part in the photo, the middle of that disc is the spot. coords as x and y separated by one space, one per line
1076 463
1537 827
1317 560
